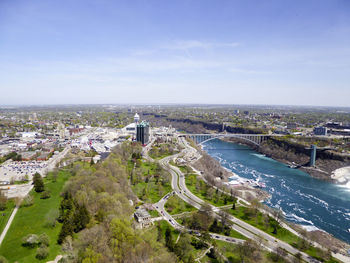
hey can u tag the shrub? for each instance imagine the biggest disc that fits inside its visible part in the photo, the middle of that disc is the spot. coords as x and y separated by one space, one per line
28 201
45 195
42 252
44 240
30 240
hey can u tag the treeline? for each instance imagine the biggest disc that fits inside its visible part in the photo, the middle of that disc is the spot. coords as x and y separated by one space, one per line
97 206
12 155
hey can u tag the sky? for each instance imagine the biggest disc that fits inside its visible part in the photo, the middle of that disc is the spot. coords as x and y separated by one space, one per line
291 52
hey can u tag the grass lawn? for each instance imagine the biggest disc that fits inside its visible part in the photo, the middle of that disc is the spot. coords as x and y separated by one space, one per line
155 187
246 214
151 191
31 220
202 191
161 151
229 251
176 205
257 220
183 168
159 156
5 215
153 213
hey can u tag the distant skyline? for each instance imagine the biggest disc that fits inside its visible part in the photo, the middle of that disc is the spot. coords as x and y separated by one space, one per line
207 52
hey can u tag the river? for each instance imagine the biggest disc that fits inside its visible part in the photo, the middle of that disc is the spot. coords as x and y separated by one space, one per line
307 201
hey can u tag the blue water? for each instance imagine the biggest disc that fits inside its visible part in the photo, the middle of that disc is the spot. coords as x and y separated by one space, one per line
304 200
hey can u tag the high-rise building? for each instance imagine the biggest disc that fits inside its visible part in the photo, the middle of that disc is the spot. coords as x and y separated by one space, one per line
142 132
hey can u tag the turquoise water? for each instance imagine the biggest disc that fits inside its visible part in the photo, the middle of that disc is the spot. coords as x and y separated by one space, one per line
303 199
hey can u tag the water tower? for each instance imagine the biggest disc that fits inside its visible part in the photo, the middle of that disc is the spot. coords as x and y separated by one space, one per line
136 118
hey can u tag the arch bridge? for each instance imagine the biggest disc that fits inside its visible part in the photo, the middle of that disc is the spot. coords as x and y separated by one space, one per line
255 139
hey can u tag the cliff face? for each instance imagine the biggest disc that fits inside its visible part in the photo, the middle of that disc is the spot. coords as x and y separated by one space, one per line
288 152
278 149
210 126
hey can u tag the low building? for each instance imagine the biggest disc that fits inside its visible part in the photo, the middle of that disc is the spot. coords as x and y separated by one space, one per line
143 217
320 130
44 156
27 156
292 125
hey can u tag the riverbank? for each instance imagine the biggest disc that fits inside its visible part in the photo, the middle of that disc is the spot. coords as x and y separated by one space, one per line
293 154
310 203
217 175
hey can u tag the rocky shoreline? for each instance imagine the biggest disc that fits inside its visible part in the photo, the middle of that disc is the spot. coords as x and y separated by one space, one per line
323 238
327 163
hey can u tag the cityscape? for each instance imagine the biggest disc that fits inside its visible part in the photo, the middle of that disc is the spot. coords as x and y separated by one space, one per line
174 131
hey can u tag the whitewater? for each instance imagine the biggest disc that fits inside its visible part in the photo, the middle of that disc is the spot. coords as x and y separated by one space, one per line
304 200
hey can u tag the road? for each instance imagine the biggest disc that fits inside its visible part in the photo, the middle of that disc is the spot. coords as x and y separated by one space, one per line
190 150
159 206
178 184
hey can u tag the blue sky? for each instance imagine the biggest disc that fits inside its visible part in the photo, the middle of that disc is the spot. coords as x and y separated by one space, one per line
232 52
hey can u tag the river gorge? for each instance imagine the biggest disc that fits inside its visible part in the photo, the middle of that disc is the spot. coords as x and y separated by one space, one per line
310 202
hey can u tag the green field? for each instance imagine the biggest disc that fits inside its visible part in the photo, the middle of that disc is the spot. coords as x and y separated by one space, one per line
31 220
5 215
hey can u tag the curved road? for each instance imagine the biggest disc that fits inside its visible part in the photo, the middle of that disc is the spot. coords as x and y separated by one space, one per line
178 184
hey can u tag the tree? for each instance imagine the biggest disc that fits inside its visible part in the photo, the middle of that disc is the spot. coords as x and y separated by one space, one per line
67 228
42 252
30 240
234 206
90 256
247 250
45 195
297 258
44 239
3 259
38 183
183 248
3 201
214 227
54 175
81 218
169 239
51 218
212 253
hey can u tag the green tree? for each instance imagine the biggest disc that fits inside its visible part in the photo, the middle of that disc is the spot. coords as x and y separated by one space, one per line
67 228
3 201
44 239
81 218
90 256
169 242
38 183
42 252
